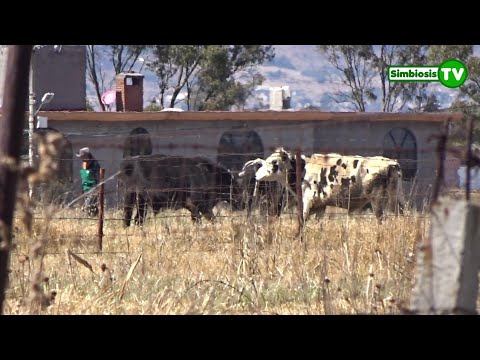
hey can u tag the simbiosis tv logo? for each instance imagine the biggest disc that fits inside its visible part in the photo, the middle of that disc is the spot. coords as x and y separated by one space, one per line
451 73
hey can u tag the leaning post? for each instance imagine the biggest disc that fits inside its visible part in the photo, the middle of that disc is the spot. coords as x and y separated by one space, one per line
100 210
298 190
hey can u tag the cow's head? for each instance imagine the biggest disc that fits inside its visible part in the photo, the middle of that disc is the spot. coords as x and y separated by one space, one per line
250 168
276 167
229 187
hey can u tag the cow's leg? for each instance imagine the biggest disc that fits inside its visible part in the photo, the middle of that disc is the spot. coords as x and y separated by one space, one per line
279 207
378 209
137 207
279 199
129 202
196 216
206 210
308 199
273 201
208 213
156 206
249 211
399 207
367 206
142 210
248 204
319 212
379 214
251 205
195 213
359 208
306 212
307 205
263 204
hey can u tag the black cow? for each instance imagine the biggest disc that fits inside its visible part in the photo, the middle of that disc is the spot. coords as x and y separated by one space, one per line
175 182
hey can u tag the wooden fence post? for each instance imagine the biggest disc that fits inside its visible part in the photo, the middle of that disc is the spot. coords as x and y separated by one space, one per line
441 151
298 189
100 210
11 127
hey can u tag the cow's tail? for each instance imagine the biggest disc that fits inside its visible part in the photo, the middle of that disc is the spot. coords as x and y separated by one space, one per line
395 187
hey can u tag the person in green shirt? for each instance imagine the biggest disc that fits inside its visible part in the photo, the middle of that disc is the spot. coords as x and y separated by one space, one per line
90 177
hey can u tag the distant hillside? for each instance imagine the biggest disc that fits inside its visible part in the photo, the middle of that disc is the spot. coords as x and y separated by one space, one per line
310 77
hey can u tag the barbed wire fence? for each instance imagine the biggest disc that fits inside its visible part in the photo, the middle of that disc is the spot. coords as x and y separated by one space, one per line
181 147
424 188
161 143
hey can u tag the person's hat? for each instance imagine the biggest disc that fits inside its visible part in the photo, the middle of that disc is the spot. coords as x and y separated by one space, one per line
83 151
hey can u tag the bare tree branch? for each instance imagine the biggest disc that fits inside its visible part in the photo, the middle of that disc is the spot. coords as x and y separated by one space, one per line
94 73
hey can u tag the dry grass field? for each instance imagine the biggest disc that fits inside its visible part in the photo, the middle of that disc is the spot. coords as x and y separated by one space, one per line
346 265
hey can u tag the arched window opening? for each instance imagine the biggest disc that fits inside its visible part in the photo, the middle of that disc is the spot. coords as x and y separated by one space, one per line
138 143
236 147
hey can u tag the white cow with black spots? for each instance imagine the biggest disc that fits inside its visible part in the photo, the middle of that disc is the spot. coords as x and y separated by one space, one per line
347 181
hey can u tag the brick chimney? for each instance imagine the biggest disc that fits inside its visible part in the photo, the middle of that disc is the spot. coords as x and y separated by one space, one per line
129 89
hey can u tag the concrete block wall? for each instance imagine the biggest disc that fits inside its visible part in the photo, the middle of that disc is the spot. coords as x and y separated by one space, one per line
199 136
106 141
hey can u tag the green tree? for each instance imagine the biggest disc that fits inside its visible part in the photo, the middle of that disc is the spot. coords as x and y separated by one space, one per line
355 63
176 67
458 133
360 66
469 92
440 53
219 83
214 77
153 106
467 100
395 95
471 87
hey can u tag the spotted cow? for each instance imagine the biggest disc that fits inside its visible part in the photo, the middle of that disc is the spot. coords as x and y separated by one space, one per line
349 182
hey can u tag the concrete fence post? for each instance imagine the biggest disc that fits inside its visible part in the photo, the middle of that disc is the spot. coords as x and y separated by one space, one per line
447 268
